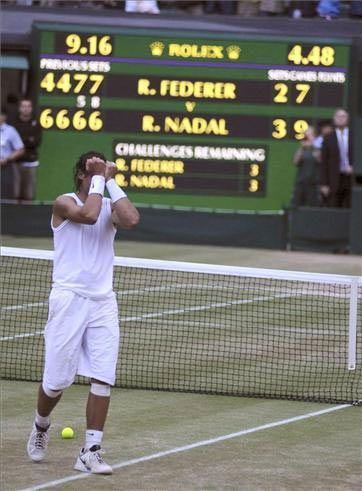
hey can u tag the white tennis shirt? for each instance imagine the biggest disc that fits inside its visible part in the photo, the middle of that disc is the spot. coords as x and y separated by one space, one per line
83 254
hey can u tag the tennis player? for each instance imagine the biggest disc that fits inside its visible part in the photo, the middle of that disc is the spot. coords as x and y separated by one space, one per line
82 332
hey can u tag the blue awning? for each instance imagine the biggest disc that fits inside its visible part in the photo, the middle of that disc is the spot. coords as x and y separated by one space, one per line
15 62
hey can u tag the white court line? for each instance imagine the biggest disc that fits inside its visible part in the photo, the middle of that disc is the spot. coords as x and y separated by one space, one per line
185 448
196 308
141 291
23 306
154 315
24 335
188 286
120 293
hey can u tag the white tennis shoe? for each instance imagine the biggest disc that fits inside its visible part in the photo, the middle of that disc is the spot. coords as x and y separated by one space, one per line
91 461
37 444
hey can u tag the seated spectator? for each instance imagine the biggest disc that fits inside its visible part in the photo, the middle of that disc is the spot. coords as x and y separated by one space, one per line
248 8
306 158
110 4
272 7
142 6
193 7
225 7
329 9
302 9
356 8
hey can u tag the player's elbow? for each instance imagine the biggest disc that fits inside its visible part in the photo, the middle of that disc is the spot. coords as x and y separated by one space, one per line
132 220
90 221
89 218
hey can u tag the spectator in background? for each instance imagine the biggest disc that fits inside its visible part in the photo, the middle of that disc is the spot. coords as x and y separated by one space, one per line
307 160
248 8
329 9
110 4
302 9
25 168
193 7
142 6
356 8
272 7
11 149
336 167
325 128
225 7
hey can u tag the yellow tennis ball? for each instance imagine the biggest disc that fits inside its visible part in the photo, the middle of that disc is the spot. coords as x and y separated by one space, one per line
67 433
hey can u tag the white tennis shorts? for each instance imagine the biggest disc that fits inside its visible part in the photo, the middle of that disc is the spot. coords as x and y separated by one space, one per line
81 337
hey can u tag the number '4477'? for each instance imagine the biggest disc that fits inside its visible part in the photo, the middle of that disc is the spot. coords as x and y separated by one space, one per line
75 82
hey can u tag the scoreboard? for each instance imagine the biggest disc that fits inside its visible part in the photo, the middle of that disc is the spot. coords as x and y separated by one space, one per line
192 119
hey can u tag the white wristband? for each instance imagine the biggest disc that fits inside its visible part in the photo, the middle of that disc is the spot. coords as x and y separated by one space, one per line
97 185
115 192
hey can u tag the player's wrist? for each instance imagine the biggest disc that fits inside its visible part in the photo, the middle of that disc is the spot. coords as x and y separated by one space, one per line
115 192
111 170
97 185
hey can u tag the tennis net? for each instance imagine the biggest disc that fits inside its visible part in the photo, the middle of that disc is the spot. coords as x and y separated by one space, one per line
204 328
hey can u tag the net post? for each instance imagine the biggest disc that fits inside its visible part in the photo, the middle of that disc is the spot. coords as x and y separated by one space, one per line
352 332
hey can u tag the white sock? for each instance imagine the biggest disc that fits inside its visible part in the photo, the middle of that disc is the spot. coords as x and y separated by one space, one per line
93 437
42 421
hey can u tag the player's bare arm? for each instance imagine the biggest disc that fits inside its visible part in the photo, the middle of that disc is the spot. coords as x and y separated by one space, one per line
124 213
83 270
65 207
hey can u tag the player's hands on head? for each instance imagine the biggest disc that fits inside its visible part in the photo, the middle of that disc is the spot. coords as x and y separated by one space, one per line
95 166
111 170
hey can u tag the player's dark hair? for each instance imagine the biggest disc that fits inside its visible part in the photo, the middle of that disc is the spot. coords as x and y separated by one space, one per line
80 165
4 110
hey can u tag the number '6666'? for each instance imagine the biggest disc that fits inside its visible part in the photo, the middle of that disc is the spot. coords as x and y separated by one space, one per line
62 119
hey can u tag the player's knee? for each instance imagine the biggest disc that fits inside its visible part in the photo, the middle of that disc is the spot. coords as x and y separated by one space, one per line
103 390
51 392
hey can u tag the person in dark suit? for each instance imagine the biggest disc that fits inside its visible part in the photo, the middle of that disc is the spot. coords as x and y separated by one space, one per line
336 165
